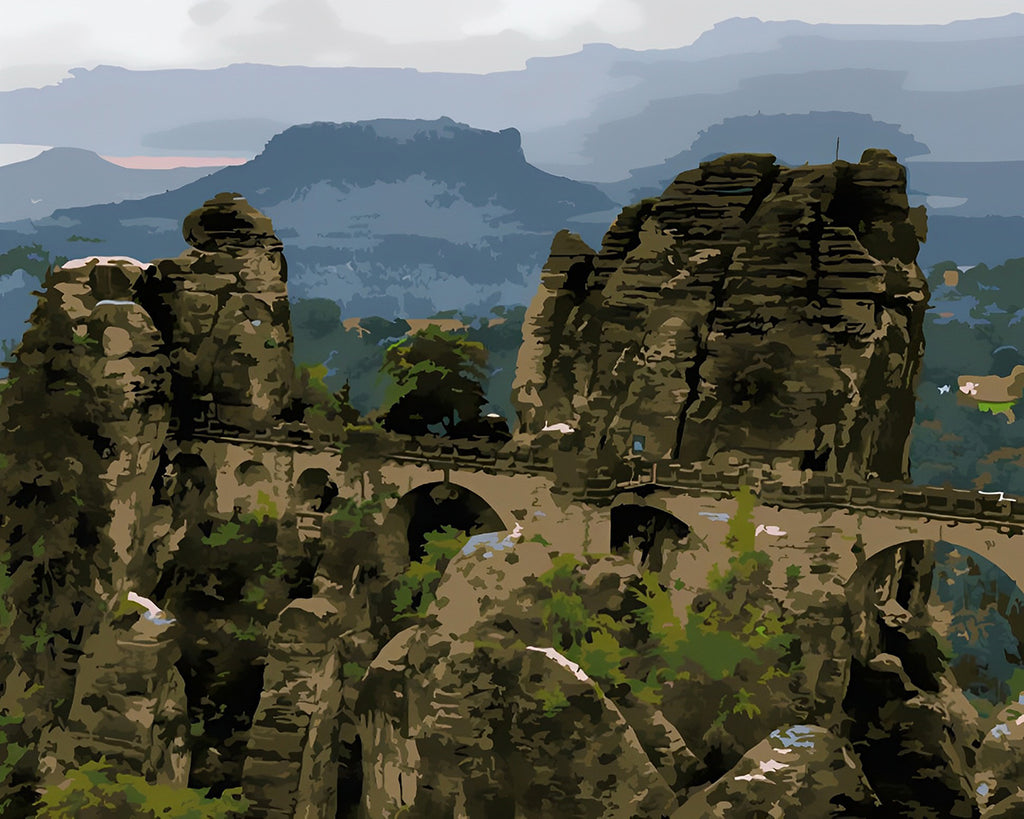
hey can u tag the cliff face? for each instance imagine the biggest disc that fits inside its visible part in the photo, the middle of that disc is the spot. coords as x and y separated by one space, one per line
120 354
751 313
225 304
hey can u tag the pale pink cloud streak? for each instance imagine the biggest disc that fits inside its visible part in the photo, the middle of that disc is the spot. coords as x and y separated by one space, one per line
153 163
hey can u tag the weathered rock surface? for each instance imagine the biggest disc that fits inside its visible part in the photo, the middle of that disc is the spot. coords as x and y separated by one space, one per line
999 769
907 719
473 712
122 358
225 303
290 767
129 704
750 312
92 380
800 770
484 724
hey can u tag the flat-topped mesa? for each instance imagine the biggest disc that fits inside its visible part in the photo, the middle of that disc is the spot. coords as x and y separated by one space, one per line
750 314
227 318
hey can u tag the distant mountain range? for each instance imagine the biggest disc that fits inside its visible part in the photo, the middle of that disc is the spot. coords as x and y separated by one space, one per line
596 114
386 217
405 217
72 177
795 139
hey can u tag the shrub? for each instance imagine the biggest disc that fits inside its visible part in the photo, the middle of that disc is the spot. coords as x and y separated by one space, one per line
95 791
415 587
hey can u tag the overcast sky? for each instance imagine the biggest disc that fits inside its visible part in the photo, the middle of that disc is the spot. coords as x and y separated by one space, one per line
41 39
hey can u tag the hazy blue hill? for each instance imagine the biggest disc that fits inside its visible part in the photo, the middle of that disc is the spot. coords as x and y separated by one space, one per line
595 114
487 168
70 177
393 217
793 138
986 239
970 188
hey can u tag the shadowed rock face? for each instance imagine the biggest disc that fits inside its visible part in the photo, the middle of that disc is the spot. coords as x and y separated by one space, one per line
227 221
227 317
750 312
120 352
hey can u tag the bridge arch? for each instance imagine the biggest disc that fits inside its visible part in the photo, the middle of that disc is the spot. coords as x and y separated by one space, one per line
428 508
919 625
645 534
314 490
251 473
986 610
976 606
190 481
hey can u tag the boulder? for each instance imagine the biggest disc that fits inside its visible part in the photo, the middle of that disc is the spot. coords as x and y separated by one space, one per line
486 724
999 765
800 770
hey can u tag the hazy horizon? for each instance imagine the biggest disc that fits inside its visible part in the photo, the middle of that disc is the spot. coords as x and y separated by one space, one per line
454 35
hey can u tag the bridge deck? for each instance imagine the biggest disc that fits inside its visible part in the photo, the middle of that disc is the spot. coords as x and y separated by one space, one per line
955 505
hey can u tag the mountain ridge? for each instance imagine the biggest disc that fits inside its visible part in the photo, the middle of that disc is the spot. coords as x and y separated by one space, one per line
385 217
564 105
64 177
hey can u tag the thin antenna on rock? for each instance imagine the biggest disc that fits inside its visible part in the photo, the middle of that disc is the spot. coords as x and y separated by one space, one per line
837 149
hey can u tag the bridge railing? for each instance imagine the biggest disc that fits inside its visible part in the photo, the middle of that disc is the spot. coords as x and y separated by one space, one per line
469 454
822 491
956 504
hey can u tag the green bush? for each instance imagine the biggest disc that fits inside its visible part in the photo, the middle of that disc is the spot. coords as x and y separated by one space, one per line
736 626
12 752
95 791
415 587
738 620
600 644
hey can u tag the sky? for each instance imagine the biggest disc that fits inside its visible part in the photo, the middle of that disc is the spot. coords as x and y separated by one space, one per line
42 39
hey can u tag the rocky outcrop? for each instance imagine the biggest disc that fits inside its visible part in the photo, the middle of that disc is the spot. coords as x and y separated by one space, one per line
999 770
471 711
542 378
495 725
751 313
92 380
290 767
225 312
129 704
123 358
906 717
800 770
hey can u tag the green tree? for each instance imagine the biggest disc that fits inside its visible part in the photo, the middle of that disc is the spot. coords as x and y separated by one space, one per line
438 380
316 318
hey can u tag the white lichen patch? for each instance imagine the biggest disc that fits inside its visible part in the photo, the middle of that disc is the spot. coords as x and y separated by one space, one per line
563 661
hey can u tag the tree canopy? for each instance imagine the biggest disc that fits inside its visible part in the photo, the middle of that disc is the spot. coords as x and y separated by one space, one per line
438 380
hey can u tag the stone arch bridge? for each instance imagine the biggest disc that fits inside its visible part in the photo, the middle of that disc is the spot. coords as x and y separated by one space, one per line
825 529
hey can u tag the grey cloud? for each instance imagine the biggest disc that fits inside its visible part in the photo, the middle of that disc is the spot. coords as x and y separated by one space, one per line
209 11
296 31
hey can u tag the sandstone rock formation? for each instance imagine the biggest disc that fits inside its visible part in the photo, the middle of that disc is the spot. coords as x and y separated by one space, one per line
800 770
319 650
91 380
121 357
474 713
909 722
225 304
751 313
1000 763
